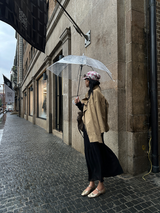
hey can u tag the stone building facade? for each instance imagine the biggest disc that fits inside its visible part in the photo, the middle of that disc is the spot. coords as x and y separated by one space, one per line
118 39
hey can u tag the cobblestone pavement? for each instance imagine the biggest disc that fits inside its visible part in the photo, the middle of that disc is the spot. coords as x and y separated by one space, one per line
39 173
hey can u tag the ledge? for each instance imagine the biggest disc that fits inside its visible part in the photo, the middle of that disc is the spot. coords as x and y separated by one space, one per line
57 133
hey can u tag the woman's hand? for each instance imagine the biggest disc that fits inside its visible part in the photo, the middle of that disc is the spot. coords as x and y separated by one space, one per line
77 100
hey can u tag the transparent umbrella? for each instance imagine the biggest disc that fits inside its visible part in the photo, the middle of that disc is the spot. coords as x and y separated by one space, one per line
74 67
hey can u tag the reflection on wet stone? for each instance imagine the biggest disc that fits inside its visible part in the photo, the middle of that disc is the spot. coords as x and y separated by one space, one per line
2 123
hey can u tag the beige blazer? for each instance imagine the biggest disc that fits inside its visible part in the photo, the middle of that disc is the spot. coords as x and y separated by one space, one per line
95 115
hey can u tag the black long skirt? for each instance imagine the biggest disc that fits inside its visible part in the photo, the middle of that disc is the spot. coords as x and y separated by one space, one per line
101 161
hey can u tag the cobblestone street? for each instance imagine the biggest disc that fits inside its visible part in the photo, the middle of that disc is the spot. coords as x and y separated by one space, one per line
39 173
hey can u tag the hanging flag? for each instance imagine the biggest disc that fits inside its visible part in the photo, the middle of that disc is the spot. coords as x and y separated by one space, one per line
9 93
7 82
28 18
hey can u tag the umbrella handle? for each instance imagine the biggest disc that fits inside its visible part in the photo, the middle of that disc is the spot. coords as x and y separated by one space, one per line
81 66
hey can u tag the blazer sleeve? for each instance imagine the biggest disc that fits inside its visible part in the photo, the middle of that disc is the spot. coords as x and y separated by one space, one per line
80 106
101 108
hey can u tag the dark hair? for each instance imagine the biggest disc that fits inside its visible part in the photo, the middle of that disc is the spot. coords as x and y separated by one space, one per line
92 84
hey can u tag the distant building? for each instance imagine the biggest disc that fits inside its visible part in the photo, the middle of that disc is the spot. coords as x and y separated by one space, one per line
2 99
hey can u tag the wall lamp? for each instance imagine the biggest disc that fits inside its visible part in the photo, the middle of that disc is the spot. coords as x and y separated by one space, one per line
31 88
61 56
45 76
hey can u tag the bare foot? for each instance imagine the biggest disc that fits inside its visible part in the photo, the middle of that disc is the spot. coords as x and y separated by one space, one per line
92 184
99 187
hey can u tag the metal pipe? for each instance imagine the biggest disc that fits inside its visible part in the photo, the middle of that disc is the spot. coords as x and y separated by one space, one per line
74 23
153 81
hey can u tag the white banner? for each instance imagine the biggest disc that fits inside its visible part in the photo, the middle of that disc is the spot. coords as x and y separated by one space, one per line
9 95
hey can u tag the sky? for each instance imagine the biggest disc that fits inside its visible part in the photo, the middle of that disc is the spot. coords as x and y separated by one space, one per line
7 50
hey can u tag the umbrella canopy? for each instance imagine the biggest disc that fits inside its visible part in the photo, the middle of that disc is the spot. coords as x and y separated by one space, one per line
73 67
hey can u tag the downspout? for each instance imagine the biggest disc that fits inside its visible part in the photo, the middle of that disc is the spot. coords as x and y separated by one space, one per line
153 82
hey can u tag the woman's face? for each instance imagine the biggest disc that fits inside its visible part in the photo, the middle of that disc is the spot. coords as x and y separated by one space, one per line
87 82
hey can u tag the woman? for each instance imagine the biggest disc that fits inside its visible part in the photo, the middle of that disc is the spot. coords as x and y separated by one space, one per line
101 161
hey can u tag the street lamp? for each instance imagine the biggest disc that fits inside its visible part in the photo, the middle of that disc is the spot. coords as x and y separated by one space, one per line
3 95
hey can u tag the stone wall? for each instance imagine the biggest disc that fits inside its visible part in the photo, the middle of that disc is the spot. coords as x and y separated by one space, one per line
117 40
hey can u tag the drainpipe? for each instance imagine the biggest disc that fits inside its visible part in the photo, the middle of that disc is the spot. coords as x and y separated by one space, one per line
153 81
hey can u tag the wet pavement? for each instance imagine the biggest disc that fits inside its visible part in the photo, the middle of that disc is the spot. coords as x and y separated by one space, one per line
2 123
40 173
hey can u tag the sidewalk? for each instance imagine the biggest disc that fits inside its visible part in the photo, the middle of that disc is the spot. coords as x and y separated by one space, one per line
39 173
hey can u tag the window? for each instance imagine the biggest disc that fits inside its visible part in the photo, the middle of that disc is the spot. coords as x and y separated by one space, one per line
59 99
31 53
26 65
31 101
59 104
23 48
25 107
29 57
42 98
23 74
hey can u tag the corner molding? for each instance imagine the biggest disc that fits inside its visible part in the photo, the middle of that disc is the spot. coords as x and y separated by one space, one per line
47 60
66 35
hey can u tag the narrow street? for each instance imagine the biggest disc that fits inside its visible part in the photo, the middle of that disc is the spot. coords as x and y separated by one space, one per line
40 173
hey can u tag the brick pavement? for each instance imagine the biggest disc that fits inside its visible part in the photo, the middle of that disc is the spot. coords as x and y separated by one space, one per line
39 173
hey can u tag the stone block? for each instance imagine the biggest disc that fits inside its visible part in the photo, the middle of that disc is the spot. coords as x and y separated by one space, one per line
77 139
41 122
138 18
122 124
111 96
138 53
66 132
140 144
138 35
74 114
128 27
137 152
140 91
129 52
65 108
123 140
30 119
138 5
129 85
139 123
57 133
128 5
121 74
111 140
137 165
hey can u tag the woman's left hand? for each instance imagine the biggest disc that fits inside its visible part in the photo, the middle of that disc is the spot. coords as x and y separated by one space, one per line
77 100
